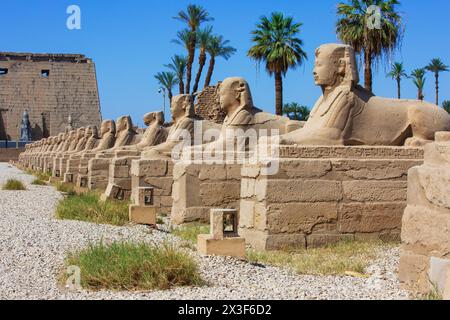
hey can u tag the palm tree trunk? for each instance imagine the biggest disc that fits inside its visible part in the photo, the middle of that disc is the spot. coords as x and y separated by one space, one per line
212 62
368 70
278 93
399 89
189 65
170 94
181 86
201 65
437 88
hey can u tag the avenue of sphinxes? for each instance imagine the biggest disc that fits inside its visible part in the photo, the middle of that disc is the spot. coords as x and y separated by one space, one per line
348 173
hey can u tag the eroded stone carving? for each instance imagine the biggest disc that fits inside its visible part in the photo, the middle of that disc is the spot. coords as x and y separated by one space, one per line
347 114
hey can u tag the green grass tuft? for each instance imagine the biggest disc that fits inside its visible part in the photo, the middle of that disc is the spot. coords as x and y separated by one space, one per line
39 182
343 258
88 207
65 188
138 267
14 185
190 231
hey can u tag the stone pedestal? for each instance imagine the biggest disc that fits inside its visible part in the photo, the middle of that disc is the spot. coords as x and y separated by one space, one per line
198 188
321 195
223 239
98 172
229 247
425 254
143 215
72 167
156 174
120 177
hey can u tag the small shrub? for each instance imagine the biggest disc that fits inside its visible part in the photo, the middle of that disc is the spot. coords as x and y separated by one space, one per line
39 182
190 231
88 207
127 266
65 188
344 258
14 185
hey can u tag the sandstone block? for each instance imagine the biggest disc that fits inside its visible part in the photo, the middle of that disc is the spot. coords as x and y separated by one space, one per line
284 191
375 191
231 247
143 215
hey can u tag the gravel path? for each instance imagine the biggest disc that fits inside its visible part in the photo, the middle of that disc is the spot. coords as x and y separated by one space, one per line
33 245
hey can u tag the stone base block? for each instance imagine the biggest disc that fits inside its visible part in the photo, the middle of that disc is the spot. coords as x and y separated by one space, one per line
143 215
229 247
54 180
80 190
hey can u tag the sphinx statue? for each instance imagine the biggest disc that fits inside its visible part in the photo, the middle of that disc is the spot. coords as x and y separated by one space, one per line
154 134
347 114
119 185
88 142
107 141
182 109
98 167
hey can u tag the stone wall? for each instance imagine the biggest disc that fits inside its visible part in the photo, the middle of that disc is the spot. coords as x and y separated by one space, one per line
425 255
207 105
49 87
325 194
9 154
198 188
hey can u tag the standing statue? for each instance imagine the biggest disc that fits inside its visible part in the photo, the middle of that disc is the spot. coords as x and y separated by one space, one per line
69 124
25 128
348 114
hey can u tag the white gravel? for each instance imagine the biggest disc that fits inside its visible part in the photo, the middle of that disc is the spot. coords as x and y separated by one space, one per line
33 245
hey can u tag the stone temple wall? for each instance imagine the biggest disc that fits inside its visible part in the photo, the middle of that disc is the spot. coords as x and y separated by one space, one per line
425 255
50 87
323 195
207 105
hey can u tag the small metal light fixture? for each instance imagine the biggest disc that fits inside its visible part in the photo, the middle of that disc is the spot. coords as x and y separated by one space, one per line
230 223
83 182
120 194
57 173
70 177
146 196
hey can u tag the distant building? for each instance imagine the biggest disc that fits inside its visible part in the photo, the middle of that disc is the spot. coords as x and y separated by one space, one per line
50 87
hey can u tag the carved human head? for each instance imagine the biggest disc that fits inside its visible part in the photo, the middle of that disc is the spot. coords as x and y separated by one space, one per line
124 124
234 93
182 106
151 117
335 65
80 132
108 126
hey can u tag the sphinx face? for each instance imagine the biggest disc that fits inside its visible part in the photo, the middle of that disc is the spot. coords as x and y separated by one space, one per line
177 107
325 69
227 97
148 119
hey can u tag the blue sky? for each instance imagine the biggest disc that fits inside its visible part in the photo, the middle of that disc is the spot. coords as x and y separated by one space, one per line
131 40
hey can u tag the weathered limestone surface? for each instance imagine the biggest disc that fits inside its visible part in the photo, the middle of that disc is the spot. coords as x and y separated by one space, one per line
70 88
425 257
325 194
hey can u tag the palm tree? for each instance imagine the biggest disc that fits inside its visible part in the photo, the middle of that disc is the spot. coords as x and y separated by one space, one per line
167 80
178 66
217 47
194 16
418 76
203 40
397 73
276 43
295 111
353 28
437 66
446 105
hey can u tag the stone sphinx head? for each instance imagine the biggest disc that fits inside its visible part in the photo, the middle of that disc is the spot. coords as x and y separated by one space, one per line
124 124
153 117
60 137
108 126
182 106
335 65
80 133
91 131
234 94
